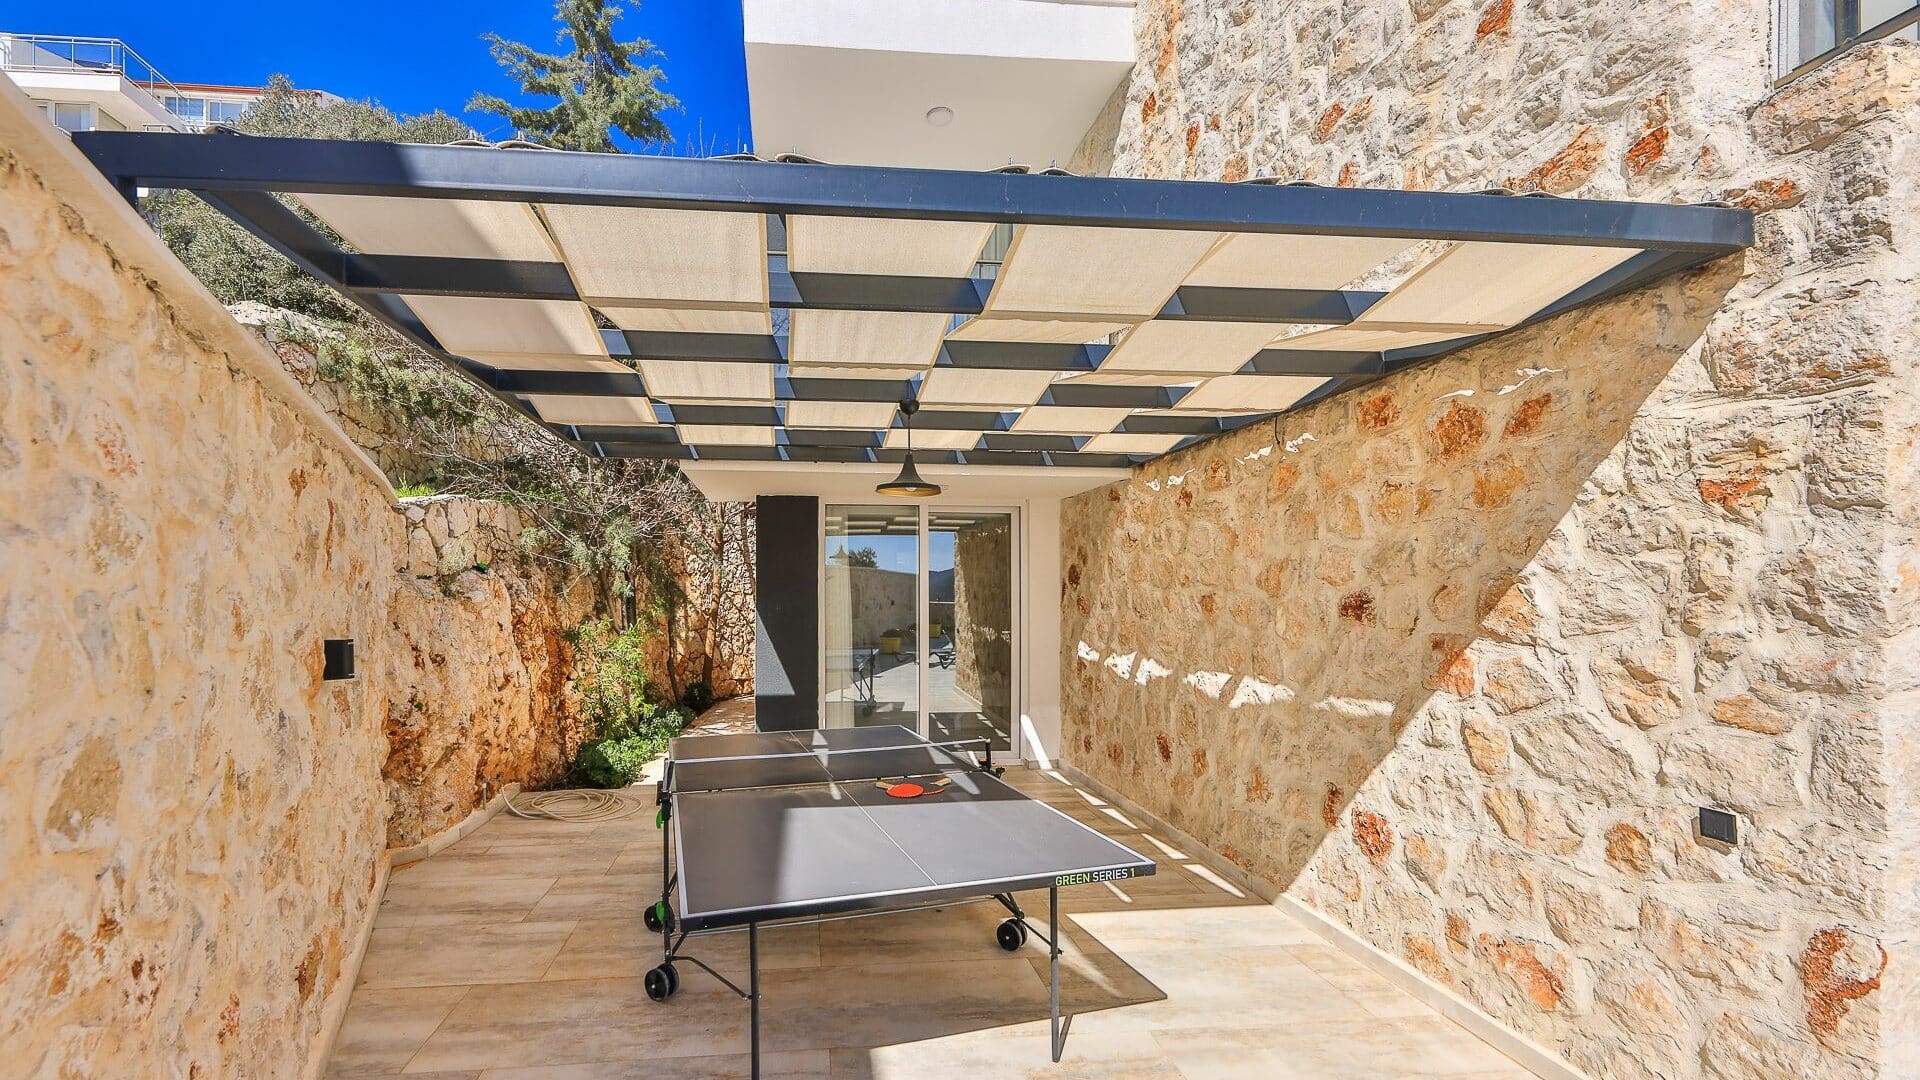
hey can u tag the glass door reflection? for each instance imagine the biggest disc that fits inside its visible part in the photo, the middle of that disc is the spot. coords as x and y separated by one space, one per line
872 616
970 586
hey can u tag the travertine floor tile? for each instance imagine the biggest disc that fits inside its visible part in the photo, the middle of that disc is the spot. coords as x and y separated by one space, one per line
383 1028
517 954
462 955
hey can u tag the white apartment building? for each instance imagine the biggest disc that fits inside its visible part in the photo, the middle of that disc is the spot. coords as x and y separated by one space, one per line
93 83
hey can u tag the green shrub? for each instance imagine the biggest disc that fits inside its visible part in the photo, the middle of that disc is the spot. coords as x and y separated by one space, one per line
698 698
413 491
631 726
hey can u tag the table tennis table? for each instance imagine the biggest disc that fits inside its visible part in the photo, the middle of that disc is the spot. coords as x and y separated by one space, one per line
791 828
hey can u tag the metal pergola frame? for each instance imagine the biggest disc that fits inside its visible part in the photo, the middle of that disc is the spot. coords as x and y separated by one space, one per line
239 175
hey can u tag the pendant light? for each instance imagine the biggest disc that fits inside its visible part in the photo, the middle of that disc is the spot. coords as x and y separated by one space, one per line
909 485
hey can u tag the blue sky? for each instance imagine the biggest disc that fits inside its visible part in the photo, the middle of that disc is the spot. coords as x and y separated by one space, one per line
417 55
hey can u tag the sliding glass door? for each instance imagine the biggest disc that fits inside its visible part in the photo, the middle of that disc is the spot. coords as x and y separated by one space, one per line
872 617
920 609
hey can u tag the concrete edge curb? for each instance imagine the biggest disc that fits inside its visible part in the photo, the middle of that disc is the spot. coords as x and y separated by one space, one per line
335 1016
1534 1058
440 841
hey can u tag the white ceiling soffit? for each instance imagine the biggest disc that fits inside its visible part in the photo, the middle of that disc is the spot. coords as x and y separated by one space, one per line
725 435
1184 347
1124 273
1069 420
693 258
1493 285
852 81
705 380
448 228
1287 261
1249 393
847 415
992 388
896 248
478 324
592 409
861 338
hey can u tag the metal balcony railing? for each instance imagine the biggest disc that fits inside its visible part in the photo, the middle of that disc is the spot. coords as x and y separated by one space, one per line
55 53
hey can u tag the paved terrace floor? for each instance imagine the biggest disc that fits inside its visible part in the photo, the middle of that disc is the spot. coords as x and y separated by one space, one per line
517 954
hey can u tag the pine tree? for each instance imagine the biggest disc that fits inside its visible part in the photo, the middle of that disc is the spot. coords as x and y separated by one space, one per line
601 85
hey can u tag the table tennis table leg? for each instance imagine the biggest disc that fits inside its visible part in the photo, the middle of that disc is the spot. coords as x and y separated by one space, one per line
753 997
1053 960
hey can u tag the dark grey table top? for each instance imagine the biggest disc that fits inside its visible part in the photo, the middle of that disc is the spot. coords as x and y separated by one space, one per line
834 841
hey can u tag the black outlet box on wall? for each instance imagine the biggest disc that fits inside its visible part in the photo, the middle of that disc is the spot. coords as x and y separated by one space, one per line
1719 825
339 658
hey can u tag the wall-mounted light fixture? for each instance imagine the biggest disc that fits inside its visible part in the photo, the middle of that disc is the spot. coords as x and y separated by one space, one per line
339 658
1719 825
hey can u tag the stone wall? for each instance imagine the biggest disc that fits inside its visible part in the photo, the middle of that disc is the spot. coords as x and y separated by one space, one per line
1453 658
191 820
983 615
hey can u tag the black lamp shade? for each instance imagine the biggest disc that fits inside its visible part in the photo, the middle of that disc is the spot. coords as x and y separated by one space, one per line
909 484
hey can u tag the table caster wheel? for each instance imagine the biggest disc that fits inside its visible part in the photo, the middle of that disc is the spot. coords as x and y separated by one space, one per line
658 917
1011 935
661 982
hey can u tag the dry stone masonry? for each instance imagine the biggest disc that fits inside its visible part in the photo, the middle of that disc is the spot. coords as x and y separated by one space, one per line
1453 658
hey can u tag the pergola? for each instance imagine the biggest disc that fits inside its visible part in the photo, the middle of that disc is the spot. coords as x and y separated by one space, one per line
748 310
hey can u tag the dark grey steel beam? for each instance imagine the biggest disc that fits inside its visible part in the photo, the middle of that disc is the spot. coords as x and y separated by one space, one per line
828 437
962 419
1169 424
649 451
748 415
598 383
203 163
1009 441
736 453
1204 303
875 292
432 276
612 433
672 345
1101 396
1305 362
1021 355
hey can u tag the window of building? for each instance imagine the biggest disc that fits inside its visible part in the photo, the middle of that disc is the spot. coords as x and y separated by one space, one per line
225 112
191 109
72 116
1811 32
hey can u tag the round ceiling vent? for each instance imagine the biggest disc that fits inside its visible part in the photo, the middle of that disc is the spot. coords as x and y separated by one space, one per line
939 116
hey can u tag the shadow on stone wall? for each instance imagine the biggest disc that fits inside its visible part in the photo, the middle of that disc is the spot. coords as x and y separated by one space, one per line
1257 626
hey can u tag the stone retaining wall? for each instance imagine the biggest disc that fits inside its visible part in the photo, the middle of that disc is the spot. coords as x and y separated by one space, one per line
1454 658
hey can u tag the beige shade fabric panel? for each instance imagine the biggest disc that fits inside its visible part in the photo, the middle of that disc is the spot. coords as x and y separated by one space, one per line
1069 420
992 388
591 409
860 338
1249 393
1057 331
1129 443
447 228
477 325
893 247
689 320
1287 261
1493 285
1128 273
1368 337
703 380
851 415
1188 347
932 439
725 435
692 258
